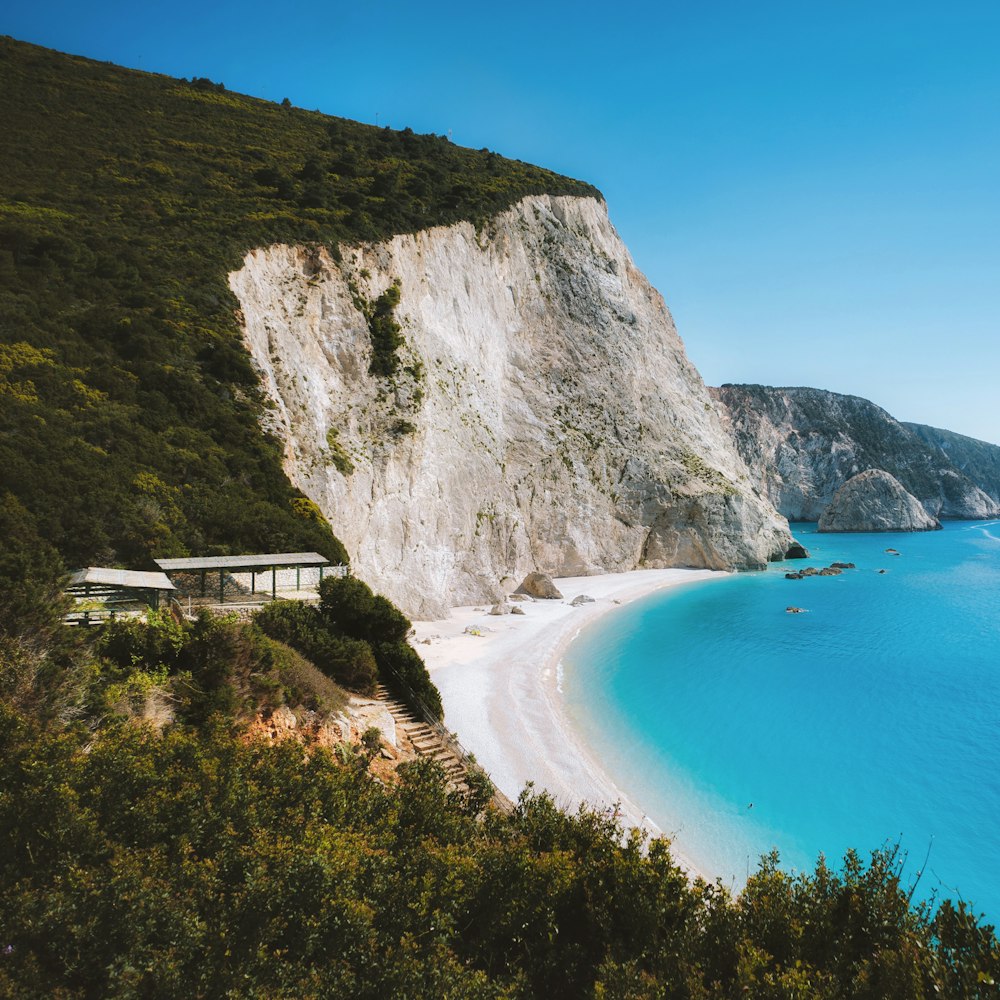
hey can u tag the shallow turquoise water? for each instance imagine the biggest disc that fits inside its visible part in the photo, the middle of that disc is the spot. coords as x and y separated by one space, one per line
871 719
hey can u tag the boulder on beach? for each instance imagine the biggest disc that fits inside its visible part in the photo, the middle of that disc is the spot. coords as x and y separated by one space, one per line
581 599
539 585
501 609
875 501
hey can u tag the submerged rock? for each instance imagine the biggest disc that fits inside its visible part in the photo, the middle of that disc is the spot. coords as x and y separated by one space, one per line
539 585
875 501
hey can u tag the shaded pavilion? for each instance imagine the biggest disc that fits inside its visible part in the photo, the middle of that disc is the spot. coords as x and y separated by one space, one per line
252 564
117 589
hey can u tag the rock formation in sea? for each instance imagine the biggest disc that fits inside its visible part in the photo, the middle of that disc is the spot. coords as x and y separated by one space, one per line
875 501
803 444
543 414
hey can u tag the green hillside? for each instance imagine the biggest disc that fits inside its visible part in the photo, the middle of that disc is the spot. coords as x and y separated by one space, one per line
128 405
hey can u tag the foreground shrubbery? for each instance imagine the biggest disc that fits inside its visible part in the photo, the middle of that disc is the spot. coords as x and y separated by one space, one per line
193 863
188 861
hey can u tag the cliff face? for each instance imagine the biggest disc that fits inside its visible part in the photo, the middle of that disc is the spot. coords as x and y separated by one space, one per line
544 416
976 460
803 444
875 501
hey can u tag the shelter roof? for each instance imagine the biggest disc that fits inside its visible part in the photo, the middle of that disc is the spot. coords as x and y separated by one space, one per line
265 560
131 579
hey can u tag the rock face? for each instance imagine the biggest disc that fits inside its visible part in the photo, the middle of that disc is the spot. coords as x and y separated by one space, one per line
875 501
539 585
544 414
976 460
802 445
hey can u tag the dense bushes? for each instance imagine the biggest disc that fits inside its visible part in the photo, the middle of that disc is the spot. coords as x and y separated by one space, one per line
356 637
348 661
195 864
212 667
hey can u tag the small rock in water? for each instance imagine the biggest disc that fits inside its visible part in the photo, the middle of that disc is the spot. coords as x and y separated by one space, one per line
792 610
842 565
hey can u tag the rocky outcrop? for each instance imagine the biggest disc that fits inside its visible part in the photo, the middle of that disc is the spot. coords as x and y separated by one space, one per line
539 585
802 445
543 415
875 501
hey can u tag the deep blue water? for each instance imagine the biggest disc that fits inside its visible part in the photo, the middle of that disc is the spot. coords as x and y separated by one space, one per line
873 718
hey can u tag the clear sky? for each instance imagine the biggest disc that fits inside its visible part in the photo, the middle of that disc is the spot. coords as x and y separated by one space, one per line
814 187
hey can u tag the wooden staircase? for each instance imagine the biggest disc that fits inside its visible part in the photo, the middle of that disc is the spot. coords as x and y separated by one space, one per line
427 740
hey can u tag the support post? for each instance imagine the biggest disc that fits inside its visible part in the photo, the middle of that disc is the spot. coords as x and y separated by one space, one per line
253 581
222 589
298 578
274 583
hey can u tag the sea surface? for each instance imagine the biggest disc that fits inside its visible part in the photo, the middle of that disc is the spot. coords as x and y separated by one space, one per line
871 719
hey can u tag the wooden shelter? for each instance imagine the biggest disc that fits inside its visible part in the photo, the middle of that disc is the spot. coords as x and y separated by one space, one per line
267 562
115 590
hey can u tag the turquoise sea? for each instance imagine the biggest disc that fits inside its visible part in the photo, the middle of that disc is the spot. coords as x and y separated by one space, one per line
872 718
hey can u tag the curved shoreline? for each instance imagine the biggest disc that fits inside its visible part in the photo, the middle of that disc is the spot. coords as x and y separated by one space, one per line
502 695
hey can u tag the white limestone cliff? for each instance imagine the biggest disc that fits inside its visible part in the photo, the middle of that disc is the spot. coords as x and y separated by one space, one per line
544 417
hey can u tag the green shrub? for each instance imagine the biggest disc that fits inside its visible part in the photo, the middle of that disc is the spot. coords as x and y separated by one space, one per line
349 606
344 659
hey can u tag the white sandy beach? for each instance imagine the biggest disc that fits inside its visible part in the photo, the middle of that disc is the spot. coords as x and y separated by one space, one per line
501 692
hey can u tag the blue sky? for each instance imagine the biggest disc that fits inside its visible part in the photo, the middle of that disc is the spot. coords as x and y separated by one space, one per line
814 187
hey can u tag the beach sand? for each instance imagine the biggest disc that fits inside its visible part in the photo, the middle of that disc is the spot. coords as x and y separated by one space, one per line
501 690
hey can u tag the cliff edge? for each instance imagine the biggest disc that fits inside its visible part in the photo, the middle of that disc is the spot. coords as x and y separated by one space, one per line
542 414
